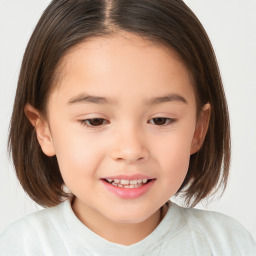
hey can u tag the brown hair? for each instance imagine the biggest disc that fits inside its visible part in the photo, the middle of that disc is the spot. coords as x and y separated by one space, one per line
64 24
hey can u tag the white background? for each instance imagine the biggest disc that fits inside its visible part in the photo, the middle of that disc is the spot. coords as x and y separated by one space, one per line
231 25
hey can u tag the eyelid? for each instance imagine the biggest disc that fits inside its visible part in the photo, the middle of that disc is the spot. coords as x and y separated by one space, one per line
171 120
83 122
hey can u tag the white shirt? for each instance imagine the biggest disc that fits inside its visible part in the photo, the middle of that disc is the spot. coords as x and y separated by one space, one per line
183 231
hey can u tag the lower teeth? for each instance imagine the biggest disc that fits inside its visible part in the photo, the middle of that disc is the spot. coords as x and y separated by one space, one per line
126 186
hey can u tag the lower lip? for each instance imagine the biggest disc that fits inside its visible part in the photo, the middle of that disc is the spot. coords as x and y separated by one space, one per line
129 193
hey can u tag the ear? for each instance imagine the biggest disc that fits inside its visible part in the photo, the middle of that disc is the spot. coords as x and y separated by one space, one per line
42 129
201 128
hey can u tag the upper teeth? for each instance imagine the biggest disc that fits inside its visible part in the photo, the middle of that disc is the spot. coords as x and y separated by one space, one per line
127 182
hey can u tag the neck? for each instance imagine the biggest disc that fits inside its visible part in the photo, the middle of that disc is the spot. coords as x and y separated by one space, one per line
120 233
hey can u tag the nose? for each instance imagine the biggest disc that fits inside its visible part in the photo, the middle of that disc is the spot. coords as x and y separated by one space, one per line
129 145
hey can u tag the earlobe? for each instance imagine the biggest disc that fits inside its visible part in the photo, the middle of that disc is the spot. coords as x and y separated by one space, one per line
42 129
201 128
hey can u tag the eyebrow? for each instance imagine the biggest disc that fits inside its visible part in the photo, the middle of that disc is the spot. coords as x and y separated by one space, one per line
85 98
166 98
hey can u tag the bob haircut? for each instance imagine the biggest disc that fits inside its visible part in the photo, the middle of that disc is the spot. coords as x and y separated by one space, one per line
66 23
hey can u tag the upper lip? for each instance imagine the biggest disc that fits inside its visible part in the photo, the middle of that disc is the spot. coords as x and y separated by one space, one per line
129 177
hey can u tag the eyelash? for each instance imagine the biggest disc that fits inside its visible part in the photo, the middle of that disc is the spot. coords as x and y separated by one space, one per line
85 122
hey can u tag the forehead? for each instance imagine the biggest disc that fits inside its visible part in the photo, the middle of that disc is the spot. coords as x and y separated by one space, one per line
120 63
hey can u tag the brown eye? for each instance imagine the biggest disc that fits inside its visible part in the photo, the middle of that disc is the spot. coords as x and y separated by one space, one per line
160 121
93 122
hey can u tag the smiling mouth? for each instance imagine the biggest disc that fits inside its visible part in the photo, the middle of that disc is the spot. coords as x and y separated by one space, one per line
128 183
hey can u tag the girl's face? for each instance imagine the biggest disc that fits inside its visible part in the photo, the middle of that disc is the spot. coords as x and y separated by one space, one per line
124 109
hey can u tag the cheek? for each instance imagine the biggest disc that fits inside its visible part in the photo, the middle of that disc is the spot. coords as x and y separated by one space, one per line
174 154
174 164
77 155
175 160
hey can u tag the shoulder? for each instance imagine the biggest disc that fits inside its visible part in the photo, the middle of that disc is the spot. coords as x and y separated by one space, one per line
31 222
223 233
30 230
202 219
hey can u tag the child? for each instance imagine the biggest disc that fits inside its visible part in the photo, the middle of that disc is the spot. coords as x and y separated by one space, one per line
120 106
